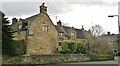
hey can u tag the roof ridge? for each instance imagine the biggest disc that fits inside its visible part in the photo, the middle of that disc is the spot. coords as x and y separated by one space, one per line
70 27
31 16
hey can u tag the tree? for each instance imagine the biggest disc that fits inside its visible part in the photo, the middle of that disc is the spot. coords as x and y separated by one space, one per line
7 46
91 40
97 30
103 46
98 45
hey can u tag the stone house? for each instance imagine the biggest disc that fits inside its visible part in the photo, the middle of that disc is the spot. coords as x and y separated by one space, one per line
112 39
39 35
68 33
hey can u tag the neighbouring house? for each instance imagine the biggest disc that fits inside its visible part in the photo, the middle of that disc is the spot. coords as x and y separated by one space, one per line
38 35
112 40
68 33
105 41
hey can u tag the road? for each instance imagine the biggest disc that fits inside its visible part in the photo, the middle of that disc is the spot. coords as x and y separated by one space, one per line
101 62
116 61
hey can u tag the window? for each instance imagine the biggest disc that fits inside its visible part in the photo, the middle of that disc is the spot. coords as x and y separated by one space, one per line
72 34
60 43
20 26
65 38
60 34
45 28
28 22
30 33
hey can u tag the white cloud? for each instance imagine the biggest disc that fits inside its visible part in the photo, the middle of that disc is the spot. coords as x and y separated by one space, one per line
19 9
88 16
84 12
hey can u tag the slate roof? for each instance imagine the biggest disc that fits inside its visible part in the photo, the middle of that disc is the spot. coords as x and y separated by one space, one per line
60 29
31 18
27 20
65 30
80 33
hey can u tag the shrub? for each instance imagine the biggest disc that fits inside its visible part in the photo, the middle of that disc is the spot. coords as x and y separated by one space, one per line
68 47
74 47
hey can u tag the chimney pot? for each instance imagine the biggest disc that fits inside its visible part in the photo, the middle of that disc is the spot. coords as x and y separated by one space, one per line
82 27
59 23
14 20
43 8
108 33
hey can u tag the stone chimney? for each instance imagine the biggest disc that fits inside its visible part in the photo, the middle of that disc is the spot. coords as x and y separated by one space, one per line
14 20
108 33
59 23
14 24
82 27
43 8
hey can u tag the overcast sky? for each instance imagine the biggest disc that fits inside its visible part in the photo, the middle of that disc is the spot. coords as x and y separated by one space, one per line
71 12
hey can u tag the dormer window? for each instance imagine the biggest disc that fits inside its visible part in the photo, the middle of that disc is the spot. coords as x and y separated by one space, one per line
72 34
20 26
60 34
30 33
28 22
45 28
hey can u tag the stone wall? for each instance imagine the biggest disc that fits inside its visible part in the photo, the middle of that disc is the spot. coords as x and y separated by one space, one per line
67 58
20 41
19 46
55 59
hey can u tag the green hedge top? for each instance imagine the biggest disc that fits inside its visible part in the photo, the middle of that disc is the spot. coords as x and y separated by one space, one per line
73 47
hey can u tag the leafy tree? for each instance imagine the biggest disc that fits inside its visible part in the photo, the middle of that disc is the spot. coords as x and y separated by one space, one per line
91 40
7 46
103 45
96 43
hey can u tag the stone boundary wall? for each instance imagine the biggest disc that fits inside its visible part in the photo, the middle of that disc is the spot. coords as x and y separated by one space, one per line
55 59
62 58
